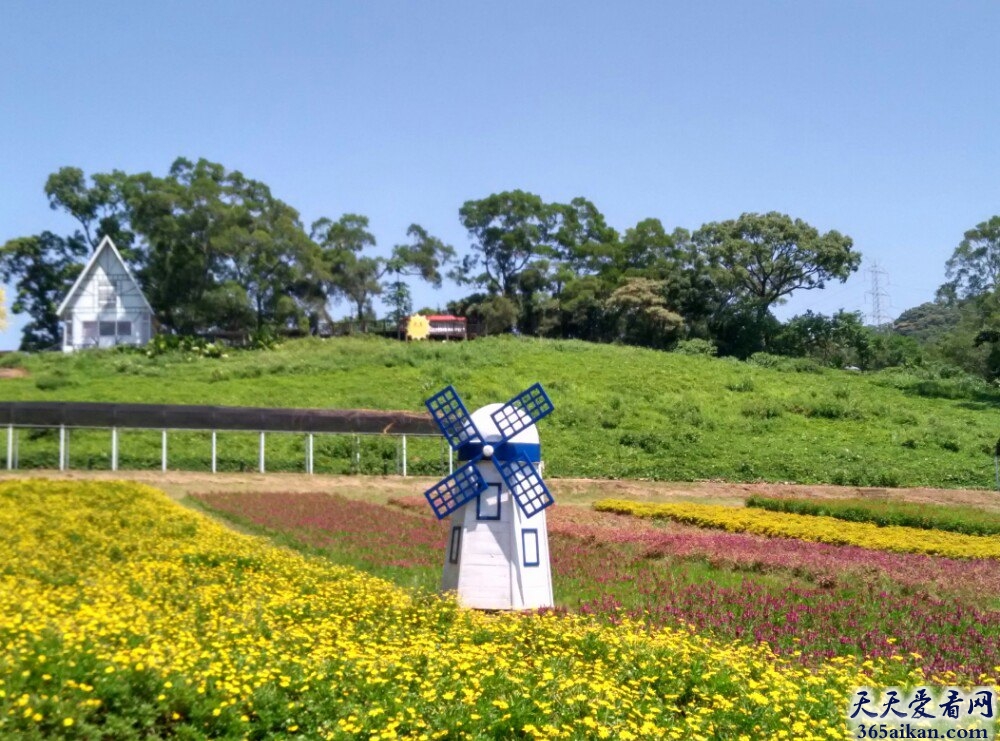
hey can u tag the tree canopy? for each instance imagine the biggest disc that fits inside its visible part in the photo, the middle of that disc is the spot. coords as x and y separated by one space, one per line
216 251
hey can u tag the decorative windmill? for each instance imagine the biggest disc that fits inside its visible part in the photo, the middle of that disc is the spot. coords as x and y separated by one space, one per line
498 552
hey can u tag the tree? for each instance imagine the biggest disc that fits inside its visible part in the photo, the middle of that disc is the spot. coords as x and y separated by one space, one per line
211 236
399 300
100 207
756 261
643 313
509 230
348 273
42 269
425 256
974 267
928 321
762 258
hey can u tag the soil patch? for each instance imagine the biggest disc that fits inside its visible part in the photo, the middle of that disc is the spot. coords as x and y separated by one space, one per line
179 484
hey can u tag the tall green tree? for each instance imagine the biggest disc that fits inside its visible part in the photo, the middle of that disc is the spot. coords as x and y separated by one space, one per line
509 231
643 314
762 258
350 274
424 256
974 267
42 269
212 239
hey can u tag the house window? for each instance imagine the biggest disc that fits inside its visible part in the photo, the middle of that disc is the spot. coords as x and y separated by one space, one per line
89 332
124 329
69 333
107 329
488 504
107 296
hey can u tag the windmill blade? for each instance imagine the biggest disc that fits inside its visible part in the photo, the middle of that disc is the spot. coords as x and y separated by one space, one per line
452 418
526 486
453 491
522 411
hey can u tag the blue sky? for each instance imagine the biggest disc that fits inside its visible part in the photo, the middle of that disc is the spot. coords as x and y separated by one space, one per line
878 119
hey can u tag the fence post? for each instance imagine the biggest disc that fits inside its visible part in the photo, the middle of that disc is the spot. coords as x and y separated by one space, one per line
309 453
451 460
261 456
214 445
10 447
163 450
114 448
62 447
357 454
404 456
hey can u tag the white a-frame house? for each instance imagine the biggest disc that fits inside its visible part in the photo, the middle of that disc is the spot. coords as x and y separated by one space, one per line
105 307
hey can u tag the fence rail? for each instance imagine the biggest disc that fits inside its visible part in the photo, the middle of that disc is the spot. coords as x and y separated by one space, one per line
165 418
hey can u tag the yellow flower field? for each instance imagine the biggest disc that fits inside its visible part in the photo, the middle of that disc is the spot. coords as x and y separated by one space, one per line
813 527
125 615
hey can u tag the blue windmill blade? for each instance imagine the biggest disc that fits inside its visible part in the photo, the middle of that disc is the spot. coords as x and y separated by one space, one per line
453 491
452 418
526 486
522 411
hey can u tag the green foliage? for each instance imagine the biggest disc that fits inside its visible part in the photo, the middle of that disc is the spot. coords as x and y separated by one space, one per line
192 346
11 359
621 412
843 340
927 322
42 269
696 346
974 267
885 512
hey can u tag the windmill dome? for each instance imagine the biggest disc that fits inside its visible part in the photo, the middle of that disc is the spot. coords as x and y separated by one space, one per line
490 433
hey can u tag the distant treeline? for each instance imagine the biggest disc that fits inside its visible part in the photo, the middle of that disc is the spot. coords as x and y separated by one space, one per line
216 253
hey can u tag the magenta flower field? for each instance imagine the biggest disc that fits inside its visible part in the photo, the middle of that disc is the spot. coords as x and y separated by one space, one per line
808 600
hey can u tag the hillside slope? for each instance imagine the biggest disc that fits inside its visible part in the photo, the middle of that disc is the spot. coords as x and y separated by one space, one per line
621 412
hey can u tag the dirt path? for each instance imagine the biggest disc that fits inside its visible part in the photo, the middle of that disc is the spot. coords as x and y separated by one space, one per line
569 491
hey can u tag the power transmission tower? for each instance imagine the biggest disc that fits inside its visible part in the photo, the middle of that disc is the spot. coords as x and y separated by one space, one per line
879 297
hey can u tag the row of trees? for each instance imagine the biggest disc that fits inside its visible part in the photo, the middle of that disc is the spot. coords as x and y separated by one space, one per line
559 270
213 250
962 325
216 251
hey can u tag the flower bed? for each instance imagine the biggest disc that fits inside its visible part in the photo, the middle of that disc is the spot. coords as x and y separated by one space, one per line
125 615
814 528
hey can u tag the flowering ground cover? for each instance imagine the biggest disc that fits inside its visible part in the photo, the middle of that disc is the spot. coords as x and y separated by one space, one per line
125 615
810 601
954 518
816 528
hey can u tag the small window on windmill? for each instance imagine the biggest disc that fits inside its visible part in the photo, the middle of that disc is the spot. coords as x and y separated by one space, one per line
124 329
107 329
529 541
455 546
488 504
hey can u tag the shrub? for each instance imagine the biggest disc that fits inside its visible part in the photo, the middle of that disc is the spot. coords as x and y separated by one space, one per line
696 347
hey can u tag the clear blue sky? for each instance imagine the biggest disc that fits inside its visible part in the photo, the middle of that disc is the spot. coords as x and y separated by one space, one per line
878 119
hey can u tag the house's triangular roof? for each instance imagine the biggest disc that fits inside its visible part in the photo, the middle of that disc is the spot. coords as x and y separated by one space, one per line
106 244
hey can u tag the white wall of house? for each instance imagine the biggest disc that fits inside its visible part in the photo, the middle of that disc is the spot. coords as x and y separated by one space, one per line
105 307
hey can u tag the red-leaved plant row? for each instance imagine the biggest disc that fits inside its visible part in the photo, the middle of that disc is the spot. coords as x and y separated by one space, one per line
845 601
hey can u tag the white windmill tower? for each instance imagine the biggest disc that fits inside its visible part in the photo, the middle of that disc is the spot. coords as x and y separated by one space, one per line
498 549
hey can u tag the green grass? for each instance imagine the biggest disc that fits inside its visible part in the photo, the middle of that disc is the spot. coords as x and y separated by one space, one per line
884 512
621 412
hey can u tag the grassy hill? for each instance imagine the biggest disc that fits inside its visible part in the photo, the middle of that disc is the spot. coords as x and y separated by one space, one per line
621 412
